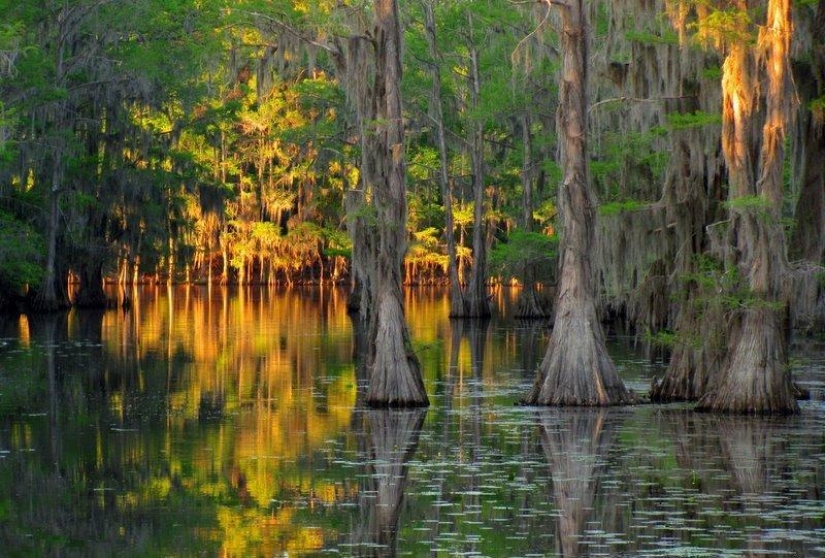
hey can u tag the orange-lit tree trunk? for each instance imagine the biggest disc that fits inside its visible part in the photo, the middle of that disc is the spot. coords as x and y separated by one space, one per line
755 376
395 373
576 370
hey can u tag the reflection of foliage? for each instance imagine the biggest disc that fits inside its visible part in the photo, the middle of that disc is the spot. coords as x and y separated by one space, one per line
285 394
522 250
132 464
20 391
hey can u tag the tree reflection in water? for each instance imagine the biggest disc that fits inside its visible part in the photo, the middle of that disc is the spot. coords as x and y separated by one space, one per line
392 439
575 443
756 458
231 425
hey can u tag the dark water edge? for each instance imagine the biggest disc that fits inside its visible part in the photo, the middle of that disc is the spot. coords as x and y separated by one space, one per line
228 424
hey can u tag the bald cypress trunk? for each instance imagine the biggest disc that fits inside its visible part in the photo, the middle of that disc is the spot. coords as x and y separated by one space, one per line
807 245
476 300
755 377
529 305
696 356
576 370
808 239
51 295
91 293
395 373
457 302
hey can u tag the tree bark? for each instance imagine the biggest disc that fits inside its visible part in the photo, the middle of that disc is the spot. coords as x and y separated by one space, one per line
576 369
91 293
476 301
50 297
700 318
395 373
457 301
529 306
755 377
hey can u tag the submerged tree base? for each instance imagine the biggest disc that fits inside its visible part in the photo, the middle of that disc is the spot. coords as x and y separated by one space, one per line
45 304
395 374
756 379
576 370
531 306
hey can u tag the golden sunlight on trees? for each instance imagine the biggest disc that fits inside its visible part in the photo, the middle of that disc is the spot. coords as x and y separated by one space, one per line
160 143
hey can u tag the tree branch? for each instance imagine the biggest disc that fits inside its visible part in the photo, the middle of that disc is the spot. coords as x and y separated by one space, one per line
637 100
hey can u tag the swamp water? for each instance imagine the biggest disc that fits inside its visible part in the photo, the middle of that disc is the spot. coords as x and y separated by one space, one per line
226 423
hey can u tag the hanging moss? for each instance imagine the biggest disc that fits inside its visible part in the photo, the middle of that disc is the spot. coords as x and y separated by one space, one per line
665 37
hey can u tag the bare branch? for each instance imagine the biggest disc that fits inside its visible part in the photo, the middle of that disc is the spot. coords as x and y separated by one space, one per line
538 28
637 100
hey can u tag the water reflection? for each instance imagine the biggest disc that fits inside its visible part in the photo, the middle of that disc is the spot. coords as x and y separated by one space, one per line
575 443
227 423
391 439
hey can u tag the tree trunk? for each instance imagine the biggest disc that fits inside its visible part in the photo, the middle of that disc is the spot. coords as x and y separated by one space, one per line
808 240
529 306
358 226
477 303
395 373
700 318
91 293
224 261
49 296
576 370
457 302
755 377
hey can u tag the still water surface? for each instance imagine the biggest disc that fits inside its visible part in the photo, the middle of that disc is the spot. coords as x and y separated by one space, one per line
226 423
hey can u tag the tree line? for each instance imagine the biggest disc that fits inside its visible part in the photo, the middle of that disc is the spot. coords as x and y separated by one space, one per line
676 146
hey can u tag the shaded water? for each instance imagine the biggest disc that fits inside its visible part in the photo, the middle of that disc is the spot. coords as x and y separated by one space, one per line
226 424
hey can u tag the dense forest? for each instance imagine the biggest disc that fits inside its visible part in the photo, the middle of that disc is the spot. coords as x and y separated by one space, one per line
235 143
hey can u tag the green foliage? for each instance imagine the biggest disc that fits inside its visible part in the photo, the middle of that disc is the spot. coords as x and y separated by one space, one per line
664 338
545 214
747 202
630 163
712 73
521 249
730 25
723 286
817 107
337 243
697 119
617 207
755 205
21 255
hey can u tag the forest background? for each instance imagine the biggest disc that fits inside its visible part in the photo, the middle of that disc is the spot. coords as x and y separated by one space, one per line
215 141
